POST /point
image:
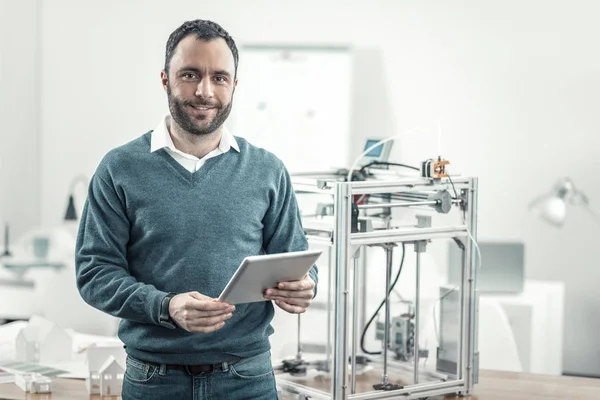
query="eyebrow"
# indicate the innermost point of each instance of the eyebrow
(196, 70)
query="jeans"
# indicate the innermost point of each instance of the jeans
(250, 378)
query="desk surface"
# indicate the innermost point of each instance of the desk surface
(493, 386)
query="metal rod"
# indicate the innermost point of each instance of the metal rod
(414, 195)
(405, 185)
(326, 184)
(329, 294)
(408, 395)
(299, 353)
(386, 333)
(342, 210)
(363, 296)
(411, 392)
(408, 197)
(355, 305)
(417, 318)
(407, 235)
(409, 203)
(461, 316)
(391, 205)
(471, 282)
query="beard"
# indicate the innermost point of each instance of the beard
(194, 125)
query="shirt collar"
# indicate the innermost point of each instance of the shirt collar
(161, 138)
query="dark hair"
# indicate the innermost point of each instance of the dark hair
(204, 30)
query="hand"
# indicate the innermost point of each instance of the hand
(293, 296)
(196, 312)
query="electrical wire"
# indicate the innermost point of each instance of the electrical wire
(368, 150)
(362, 338)
(453, 188)
(471, 238)
(362, 169)
(476, 247)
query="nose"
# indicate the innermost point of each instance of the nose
(205, 89)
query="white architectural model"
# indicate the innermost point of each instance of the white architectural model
(43, 342)
(33, 382)
(41, 384)
(23, 381)
(106, 367)
(111, 378)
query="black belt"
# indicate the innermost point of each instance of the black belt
(202, 368)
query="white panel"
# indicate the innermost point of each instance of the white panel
(296, 103)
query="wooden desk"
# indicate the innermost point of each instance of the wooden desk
(62, 389)
(492, 386)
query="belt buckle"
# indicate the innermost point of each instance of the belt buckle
(201, 369)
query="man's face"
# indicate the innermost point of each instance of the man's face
(200, 84)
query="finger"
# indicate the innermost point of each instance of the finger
(207, 329)
(210, 321)
(199, 296)
(304, 284)
(289, 307)
(203, 305)
(194, 314)
(215, 313)
(295, 302)
(276, 293)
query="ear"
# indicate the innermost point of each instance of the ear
(164, 79)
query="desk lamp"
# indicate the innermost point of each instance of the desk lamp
(71, 213)
(6, 252)
(552, 206)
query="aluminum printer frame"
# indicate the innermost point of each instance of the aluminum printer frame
(345, 245)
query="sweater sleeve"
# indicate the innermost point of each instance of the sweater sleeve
(101, 266)
(283, 231)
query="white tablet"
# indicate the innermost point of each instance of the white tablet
(259, 273)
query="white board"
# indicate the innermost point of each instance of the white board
(295, 102)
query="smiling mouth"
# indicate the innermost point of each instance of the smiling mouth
(202, 108)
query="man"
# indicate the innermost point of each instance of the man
(168, 219)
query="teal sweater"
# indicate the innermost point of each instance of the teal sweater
(150, 227)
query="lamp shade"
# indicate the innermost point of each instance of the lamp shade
(552, 207)
(553, 210)
(71, 214)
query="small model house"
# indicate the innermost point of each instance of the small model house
(23, 381)
(43, 342)
(33, 382)
(111, 378)
(106, 367)
(41, 384)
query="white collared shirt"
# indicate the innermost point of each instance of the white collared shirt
(161, 139)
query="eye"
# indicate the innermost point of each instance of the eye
(188, 76)
(220, 79)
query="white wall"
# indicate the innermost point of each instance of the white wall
(19, 113)
(514, 85)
